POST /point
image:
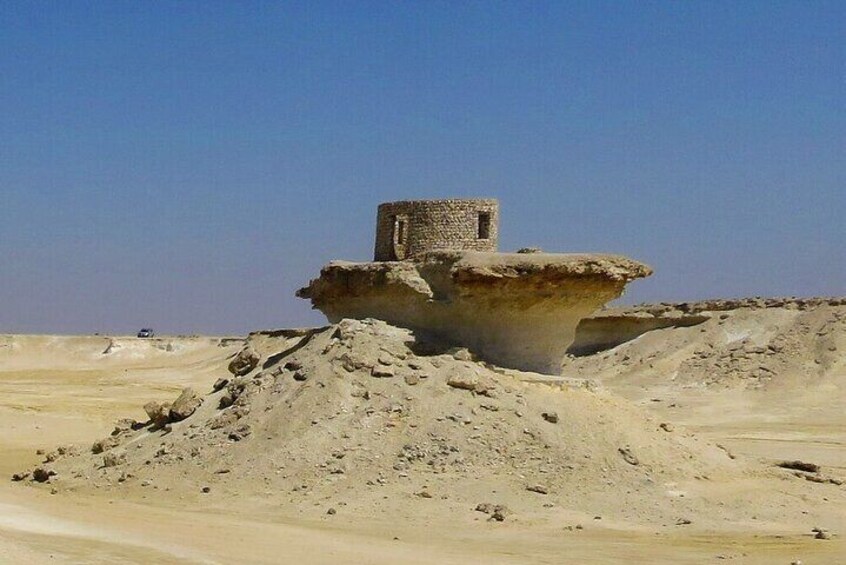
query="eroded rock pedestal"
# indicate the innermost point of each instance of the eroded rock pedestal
(514, 310)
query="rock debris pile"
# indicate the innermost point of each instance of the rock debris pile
(361, 416)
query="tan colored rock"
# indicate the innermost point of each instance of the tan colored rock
(515, 310)
(473, 382)
(158, 412)
(245, 361)
(185, 405)
(113, 459)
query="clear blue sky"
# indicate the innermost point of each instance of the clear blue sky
(188, 165)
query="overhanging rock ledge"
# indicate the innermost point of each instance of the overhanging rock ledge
(515, 310)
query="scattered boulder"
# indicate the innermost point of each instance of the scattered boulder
(42, 474)
(551, 417)
(530, 250)
(245, 361)
(158, 412)
(185, 405)
(20, 476)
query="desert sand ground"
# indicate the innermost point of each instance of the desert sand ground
(70, 390)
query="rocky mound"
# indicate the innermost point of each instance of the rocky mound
(748, 343)
(362, 418)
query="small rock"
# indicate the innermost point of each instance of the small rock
(360, 392)
(666, 426)
(412, 380)
(103, 445)
(424, 494)
(540, 489)
(206, 490)
(462, 354)
(300, 376)
(331, 511)
(628, 456)
(112, 459)
(472, 382)
(20, 476)
(293, 365)
(821, 533)
(499, 514)
(383, 371)
(159, 413)
(227, 400)
(219, 384)
(551, 417)
(683, 522)
(125, 425)
(42, 475)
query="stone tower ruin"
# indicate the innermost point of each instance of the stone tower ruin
(409, 228)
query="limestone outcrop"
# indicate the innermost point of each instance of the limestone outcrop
(514, 310)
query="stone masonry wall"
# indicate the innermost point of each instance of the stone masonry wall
(408, 228)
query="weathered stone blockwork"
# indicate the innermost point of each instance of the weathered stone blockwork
(407, 229)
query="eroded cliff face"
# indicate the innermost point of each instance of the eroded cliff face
(514, 310)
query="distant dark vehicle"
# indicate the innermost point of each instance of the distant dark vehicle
(146, 332)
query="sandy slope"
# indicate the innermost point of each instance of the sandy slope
(60, 390)
(767, 382)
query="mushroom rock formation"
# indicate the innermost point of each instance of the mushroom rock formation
(514, 310)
